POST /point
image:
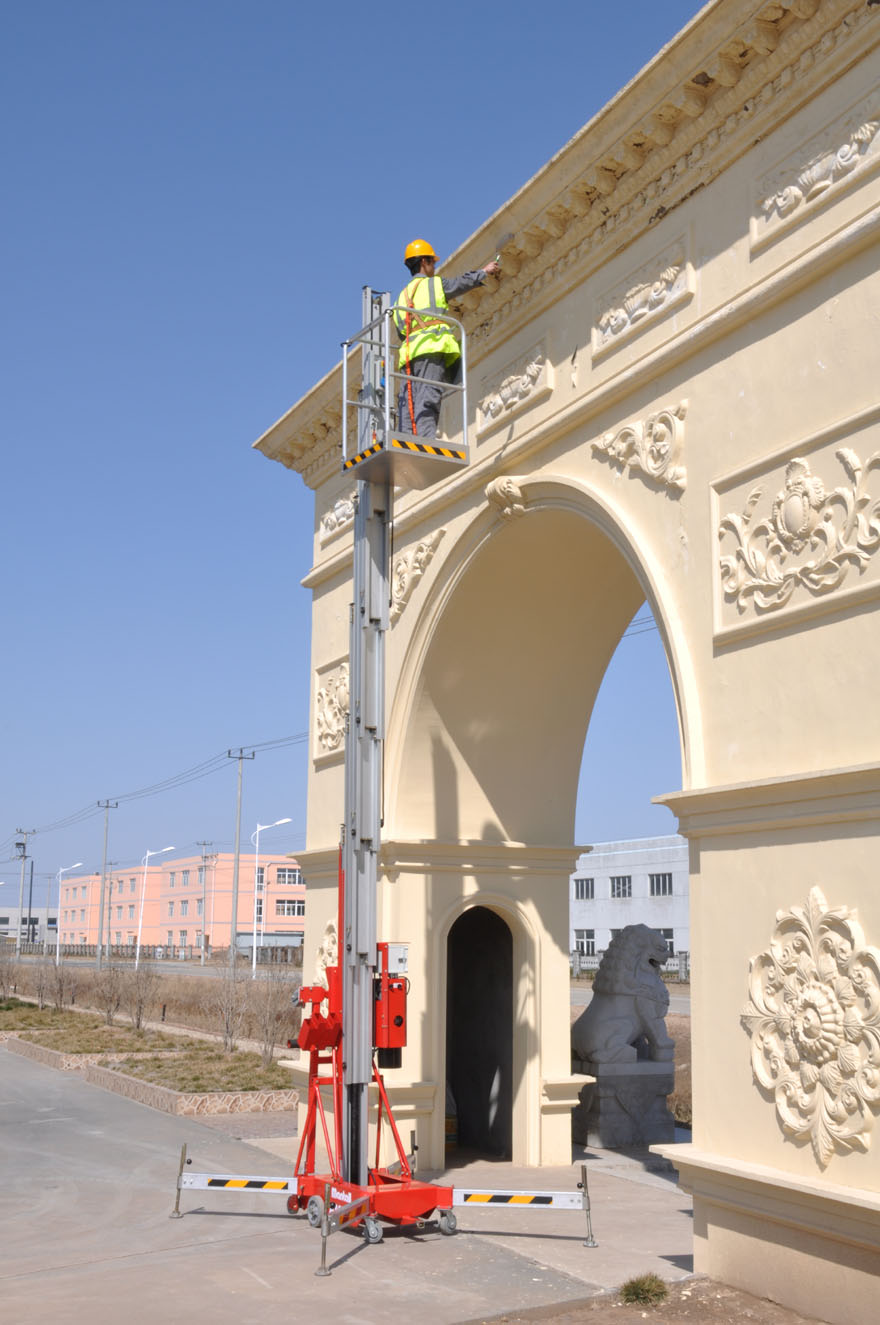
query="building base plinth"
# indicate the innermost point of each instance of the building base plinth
(812, 1245)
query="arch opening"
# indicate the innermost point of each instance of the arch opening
(479, 1033)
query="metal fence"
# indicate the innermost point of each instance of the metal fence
(678, 965)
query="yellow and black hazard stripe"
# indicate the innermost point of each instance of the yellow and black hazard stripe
(423, 448)
(506, 1198)
(252, 1184)
(362, 455)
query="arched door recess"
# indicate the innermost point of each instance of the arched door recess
(479, 1032)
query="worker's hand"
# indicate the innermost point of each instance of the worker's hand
(492, 268)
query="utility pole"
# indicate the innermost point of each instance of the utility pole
(204, 894)
(21, 848)
(106, 806)
(240, 755)
(30, 936)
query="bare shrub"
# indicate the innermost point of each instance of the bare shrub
(229, 998)
(270, 1010)
(140, 989)
(62, 984)
(39, 974)
(107, 988)
(8, 971)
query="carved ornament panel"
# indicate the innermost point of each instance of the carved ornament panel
(521, 383)
(332, 701)
(338, 517)
(803, 533)
(642, 298)
(652, 447)
(813, 1017)
(826, 165)
(407, 568)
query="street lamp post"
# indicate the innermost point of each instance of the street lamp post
(137, 951)
(255, 838)
(65, 870)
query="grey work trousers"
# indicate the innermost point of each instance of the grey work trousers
(429, 374)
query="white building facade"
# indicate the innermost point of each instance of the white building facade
(640, 882)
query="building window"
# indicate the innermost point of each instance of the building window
(131, 911)
(183, 938)
(259, 908)
(200, 910)
(199, 938)
(118, 937)
(184, 906)
(288, 876)
(585, 942)
(171, 878)
(132, 885)
(260, 874)
(583, 890)
(170, 910)
(184, 878)
(669, 936)
(169, 936)
(290, 906)
(201, 876)
(621, 885)
(661, 885)
(119, 913)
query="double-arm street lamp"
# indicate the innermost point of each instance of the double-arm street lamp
(65, 870)
(145, 861)
(255, 838)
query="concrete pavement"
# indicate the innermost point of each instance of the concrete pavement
(89, 1183)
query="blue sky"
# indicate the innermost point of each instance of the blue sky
(195, 193)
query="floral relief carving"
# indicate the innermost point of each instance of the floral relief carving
(821, 171)
(522, 383)
(407, 569)
(652, 447)
(814, 1020)
(810, 539)
(340, 514)
(506, 494)
(646, 296)
(331, 710)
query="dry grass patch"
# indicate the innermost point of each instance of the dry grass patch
(16, 1016)
(103, 1039)
(209, 1069)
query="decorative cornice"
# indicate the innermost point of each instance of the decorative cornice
(680, 136)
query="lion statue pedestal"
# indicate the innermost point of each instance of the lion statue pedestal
(621, 1040)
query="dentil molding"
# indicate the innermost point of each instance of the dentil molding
(813, 1017)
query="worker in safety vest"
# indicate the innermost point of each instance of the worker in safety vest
(429, 354)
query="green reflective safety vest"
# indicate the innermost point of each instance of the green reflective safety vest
(420, 333)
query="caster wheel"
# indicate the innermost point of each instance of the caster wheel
(372, 1229)
(315, 1211)
(448, 1223)
(293, 1205)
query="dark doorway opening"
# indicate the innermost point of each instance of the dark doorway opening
(479, 1034)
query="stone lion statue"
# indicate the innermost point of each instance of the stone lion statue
(625, 1019)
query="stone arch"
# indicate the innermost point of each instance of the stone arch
(561, 580)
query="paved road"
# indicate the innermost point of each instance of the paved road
(89, 1183)
(679, 1003)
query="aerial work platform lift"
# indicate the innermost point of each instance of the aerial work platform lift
(356, 1025)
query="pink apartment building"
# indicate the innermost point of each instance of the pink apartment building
(188, 902)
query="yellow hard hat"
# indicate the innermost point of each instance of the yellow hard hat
(419, 248)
